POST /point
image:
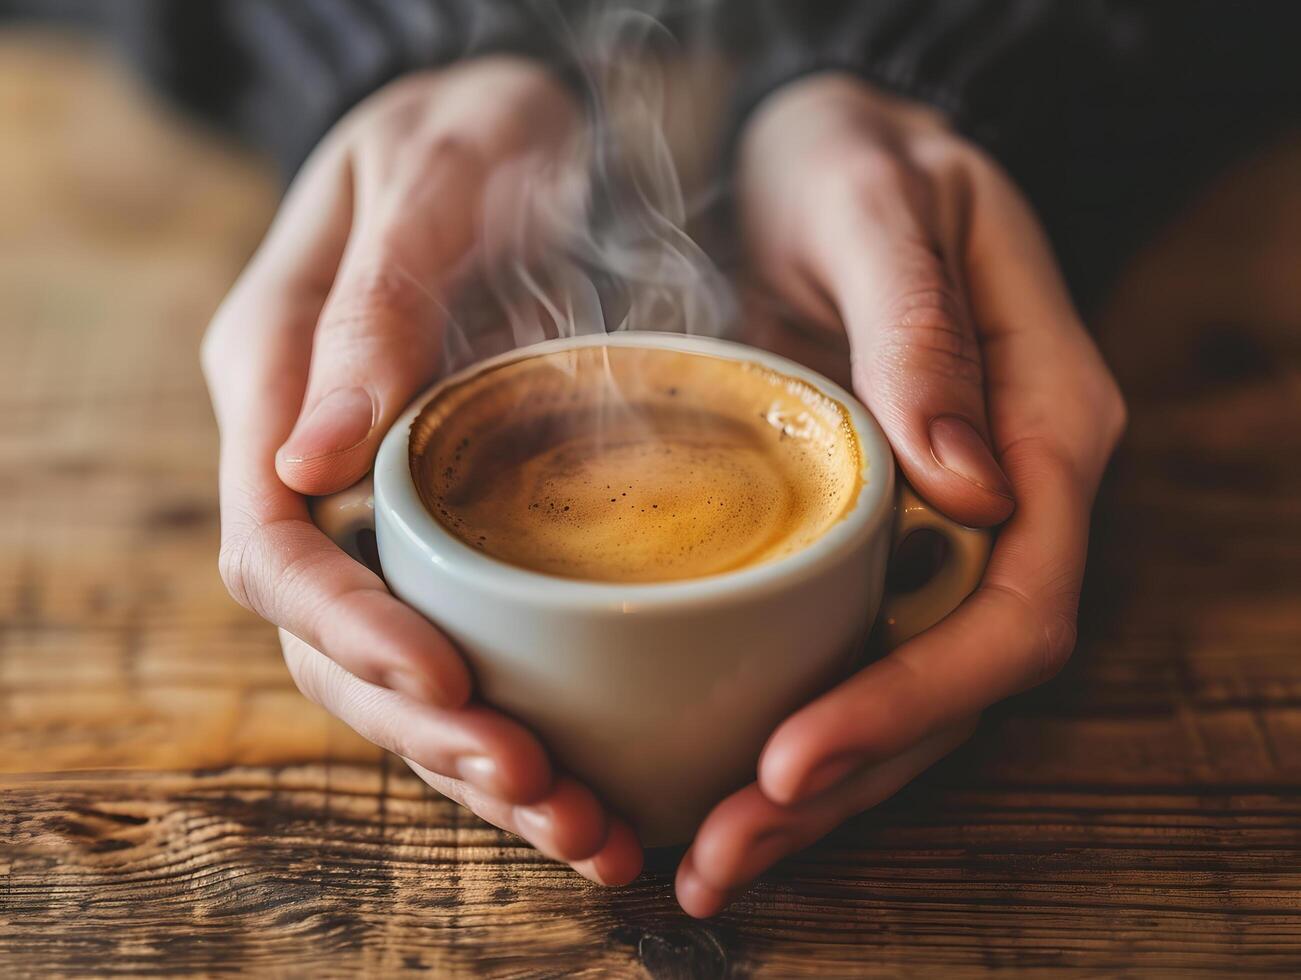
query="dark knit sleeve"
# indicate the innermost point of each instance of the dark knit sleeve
(1104, 111)
(994, 66)
(279, 73)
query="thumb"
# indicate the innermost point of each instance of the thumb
(916, 357)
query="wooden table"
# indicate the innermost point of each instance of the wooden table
(170, 804)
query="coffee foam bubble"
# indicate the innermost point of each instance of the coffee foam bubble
(625, 464)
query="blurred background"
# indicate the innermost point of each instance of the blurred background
(121, 226)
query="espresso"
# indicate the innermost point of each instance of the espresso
(635, 464)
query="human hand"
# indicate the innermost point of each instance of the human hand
(333, 327)
(867, 213)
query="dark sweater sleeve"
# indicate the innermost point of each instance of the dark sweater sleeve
(1106, 112)
(279, 73)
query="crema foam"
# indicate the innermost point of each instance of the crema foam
(635, 464)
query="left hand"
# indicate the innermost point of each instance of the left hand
(332, 329)
(868, 212)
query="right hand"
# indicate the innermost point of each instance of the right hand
(331, 330)
(871, 217)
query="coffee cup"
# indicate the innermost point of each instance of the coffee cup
(660, 694)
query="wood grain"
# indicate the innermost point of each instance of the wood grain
(348, 869)
(170, 805)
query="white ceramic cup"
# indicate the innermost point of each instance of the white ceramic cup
(660, 696)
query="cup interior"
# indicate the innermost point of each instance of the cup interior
(399, 505)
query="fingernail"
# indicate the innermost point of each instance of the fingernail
(959, 448)
(825, 776)
(340, 420)
(478, 770)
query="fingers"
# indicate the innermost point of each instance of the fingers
(421, 159)
(380, 332)
(1015, 631)
(878, 239)
(567, 825)
(271, 312)
(921, 245)
(273, 559)
(485, 749)
(747, 833)
(916, 359)
(917, 241)
(482, 760)
(618, 862)
(276, 562)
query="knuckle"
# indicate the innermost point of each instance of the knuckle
(1060, 635)
(1043, 462)
(230, 566)
(438, 171)
(440, 151)
(255, 565)
(209, 354)
(1048, 618)
(926, 332)
(876, 171)
(216, 346)
(1055, 608)
(394, 109)
(1115, 413)
(371, 304)
(864, 183)
(433, 167)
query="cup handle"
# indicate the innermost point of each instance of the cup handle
(348, 519)
(904, 615)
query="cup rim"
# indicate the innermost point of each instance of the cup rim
(396, 498)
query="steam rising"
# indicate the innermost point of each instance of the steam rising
(594, 239)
